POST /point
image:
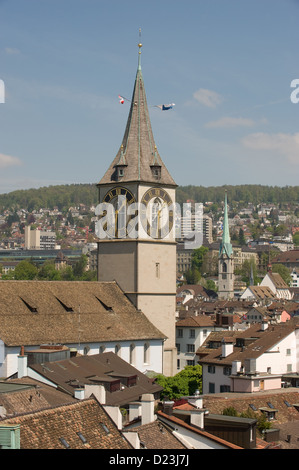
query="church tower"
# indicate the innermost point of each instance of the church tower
(225, 261)
(140, 254)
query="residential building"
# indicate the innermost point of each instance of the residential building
(113, 381)
(38, 239)
(256, 359)
(192, 222)
(295, 278)
(290, 259)
(261, 294)
(190, 334)
(81, 425)
(277, 285)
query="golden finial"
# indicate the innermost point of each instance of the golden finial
(140, 45)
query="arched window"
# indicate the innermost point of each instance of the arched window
(132, 353)
(117, 349)
(102, 349)
(86, 350)
(146, 349)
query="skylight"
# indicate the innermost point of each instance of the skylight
(64, 443)
(82, 437)
(105, 428)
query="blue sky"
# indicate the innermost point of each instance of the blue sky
(227, 65)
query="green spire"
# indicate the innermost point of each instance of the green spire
(225, 245)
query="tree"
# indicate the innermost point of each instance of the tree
(198, 256)
(241, 239)
(283, 271)
(25, 271)
(48, 272)
(193, 276)
(247, 269)
(296, 238)
(182, 384)
(80, 266)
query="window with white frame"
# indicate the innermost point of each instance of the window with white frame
(146, 349)
(190, 348)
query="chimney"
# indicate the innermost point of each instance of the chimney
(22, 364)
(264, 325)
(134, 410)
(236, 367)
(227, 347)
(79, 393)
(147, 408)
(97, 390)
(196, 400)
(168, 407)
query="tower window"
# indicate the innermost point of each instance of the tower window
(158, 270)
(132, 353)
(156, 172)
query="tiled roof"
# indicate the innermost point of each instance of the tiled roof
(262, 292)
(258, 342)
(196, 321)
(24, 395)
(278, 281)
(156, 435)
(98, 369)
(47, 428)
(241, 402)
(204, 434)
(291, 256)
(38, 312)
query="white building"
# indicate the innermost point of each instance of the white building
(258, 358)
(190, 335)
(277, 285)
(38, 239)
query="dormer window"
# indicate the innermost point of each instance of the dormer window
(156, 171)
(121, 165)
(155, 166)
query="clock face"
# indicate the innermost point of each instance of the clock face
(157, 213)
(120, 198)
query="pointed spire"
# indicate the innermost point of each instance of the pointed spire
(138, 148)
(225, 245)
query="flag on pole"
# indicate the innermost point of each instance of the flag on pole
(165, 107)
(121, 99)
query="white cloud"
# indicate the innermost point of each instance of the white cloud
(208, 98)
(286, 145)
(11, 50)
(7, 161)
(230, 122)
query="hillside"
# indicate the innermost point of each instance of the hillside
(64, 196)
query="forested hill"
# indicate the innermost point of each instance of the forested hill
(65, 196)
